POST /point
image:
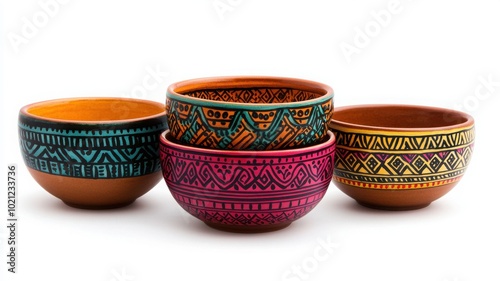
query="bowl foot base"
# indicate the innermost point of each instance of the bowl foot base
(248, 229)
(392, 208)
(98, 207)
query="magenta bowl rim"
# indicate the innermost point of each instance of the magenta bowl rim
(277, 152)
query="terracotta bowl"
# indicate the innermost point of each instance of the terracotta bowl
(247, 191)
(400, 157)
(93, 152)
(249, 113)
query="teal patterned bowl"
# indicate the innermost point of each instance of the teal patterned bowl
(93, 152)
(249, 113)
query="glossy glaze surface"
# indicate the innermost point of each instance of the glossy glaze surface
(249, 113)
(400, 157)
(91, 151)
(247, 191)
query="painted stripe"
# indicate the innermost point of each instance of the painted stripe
(396, 186)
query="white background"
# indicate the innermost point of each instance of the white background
(427, 52)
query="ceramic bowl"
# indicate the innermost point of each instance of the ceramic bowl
(400, 157)
(247, 191)
(93, 152)
(249, 113)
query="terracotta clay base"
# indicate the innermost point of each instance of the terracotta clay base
(248, 229)
(100, 207)
(395, 200)
(392, 208)
(96, 193)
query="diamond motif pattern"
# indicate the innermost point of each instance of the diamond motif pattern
(224, 128)
(389, 163)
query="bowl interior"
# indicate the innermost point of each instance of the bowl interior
(94, 109)
(254, 95)
(396, 116)
(251, 89)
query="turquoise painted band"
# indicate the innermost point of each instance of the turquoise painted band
(97, 151)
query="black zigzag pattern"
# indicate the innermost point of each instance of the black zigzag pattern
(111, 152)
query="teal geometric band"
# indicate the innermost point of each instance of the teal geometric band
(95, 151)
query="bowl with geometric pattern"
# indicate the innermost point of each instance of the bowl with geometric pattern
(247, 191)
(249, 112)
(400, 157)
(93, 153)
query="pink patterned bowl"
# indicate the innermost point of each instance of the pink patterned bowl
(247, 191)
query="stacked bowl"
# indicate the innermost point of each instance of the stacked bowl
(248, 154)
(244, 154)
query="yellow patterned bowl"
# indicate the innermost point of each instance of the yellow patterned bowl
(400, 157)
(249, 113)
